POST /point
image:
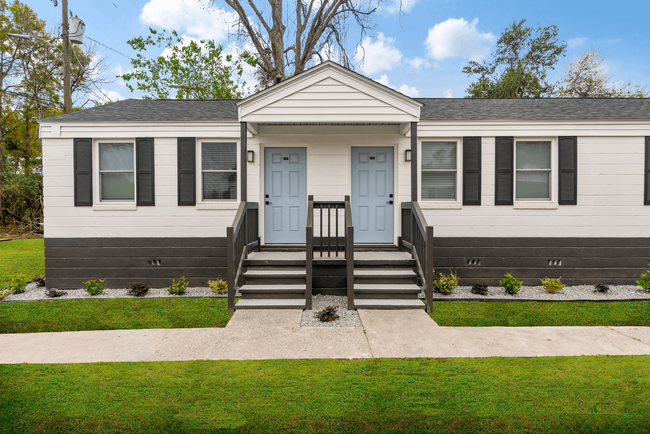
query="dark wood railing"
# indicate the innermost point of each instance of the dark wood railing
(349, 252)
(309, 253)
(242, 237)
(328, 241)
(417, 237)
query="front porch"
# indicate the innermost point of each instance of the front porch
(371, 276)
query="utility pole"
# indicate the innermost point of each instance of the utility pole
(67, 98)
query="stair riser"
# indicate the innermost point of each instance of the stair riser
(394, 296)
(385, 280)
(274, 296)
(272, 280)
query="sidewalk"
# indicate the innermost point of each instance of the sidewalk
(276, 334)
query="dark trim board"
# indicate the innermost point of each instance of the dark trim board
(120, 261)
(583, 260)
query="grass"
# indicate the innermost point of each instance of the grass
(112, 314)
(602, 394)
(21, 258)
(529, 314)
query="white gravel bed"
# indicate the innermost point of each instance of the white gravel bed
(576, 292)
(348, 318)
(33, 292)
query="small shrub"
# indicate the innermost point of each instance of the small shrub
(139, 289)
(54, 293)
(328, 314)
(39, 280)
(4, 293)
(645, 281)
(178, 288)
(480, 288)
(16, 285)
(601, 287)
(95, 288)
(511, 284)
(218, 286)
(445, 284)
(552, 286)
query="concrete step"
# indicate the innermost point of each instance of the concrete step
(270, 304)
(275, 275)
(275, 271)
(393, 304)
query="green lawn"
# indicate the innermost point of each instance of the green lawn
(542, 395)
(112, 314)
(21, 258)
(528, 314)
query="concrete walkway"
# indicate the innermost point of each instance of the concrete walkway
(276, 334)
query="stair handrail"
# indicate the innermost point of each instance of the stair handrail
(309, 252)
(420, 243)
(349, 252)
(237, 250)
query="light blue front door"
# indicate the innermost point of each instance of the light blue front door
(372, 194)
(285, 195)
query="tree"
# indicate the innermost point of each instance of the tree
(286, 43)
(191, 69)
(588, 78)
(520, 66)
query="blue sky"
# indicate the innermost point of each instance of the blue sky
(420, 53)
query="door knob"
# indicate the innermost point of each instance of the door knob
(267, 202)
(390, 202)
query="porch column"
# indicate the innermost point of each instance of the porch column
(243, 172)
(414, 161)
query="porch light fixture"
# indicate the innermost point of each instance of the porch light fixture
(251, 156)
(407, 155)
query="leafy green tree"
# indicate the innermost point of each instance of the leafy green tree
(187, 69)
(520, 65)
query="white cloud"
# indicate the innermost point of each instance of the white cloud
(407, 90)
(448, 93)
(191, 15)
(394, 6)
(377, 55)
(574, 42)
(458, 38)
(418, 62)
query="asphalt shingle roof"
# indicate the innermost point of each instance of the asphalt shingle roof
(137, 110)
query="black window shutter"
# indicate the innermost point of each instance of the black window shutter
(503, 183)
(647, 172)
(83, 172)
(186, 171)
(568, 168)
(144, 161)
(471, 170)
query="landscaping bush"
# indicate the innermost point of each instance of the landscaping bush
(328, 314)
(552, 286)
(510, 284)
(54, 293)
(39, 280)
(139, 289)
(645, 281)
(218, 286)
(445, 284)
(178, 288)
(601, 287)
(95, 288)
(480, 288)
(4, 293)
(16, 285)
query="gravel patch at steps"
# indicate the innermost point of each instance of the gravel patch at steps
(33, 293)
(347, 318)
(568, 293)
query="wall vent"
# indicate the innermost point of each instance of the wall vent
(154, 262)
(473, 262)
(554, 262)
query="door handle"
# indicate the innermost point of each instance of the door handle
(390, 202)
(267, 202)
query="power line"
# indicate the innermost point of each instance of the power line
(97, 42)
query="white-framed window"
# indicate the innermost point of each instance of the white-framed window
(116, 171)
(439, 170)
(534, 170)
(218, 171)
